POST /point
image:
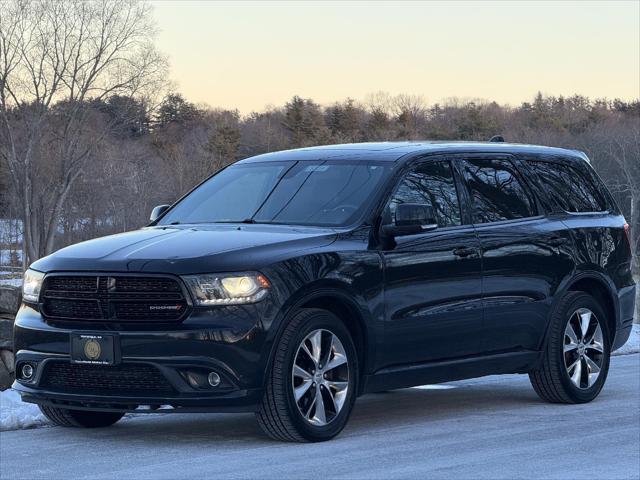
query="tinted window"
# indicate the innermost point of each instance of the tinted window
(569, 188)
(432, 184)
(496, 192)
(300, 193)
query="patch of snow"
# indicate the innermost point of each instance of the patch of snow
(10, 276)
(434, 387)
(12, 282)
(16, 414)
(633, 344)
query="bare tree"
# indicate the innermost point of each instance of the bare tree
(615, 146)
(55, 58)
(410, 113)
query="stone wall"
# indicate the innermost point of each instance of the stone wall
(9, 303)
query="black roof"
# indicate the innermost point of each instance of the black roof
(394, 151)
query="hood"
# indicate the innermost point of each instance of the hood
(184, 249)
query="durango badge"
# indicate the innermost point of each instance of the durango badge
(173, 308)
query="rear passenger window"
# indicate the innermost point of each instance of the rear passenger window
(496, 192)
(572, 190)
(432, 184)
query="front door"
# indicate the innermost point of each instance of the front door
(432, 279)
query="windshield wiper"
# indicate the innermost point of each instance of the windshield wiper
(246, 220)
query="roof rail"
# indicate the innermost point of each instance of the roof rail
(497, 138)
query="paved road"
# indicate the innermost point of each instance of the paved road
(486, 428)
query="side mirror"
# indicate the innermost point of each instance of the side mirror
(157, 212)
(412, 218)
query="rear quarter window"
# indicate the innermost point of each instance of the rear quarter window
(569, 188)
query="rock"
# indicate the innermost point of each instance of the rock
(6, 379)
(8, 359)
(9, 303)
(10, 298)
(6, 332)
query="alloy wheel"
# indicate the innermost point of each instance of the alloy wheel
(583, 349)
(320, 377)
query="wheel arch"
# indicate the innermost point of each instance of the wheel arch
(339, 299)
(598, 286)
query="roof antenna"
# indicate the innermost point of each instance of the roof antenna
(497, 138)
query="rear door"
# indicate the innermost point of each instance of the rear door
(524, 252)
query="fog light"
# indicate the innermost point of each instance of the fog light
(214, 379)
(27, 371)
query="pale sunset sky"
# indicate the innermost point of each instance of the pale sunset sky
(248, 55)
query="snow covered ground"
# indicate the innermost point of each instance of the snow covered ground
(10, 276)
(486, 428)
(12, 282)
(633, 344)
(15, 414)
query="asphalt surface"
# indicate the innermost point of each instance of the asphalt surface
(494, 427)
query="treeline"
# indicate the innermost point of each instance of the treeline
(152, 156)
(89, 142)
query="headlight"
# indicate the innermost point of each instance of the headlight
(227, 289)
(31, 284)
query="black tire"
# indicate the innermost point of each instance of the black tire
(551, 380)
(278, 414)
(65, 417)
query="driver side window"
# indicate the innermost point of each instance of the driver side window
(431, 184)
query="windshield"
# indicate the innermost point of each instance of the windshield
(319, 193)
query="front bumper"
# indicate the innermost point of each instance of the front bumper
(208, 341)
(239, 401)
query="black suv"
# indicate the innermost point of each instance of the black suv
(290, 283)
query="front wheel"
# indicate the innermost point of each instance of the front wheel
(312, 384)
(576, 361)
(65, 417)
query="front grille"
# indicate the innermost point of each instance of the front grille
(84, 309)
(113, 298)
(79, 284)
(142, 284)
(123, 379)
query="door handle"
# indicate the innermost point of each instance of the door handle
(557, 241)
(464, 251)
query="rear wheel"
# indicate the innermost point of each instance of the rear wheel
(311, 387)
(65, 417)
(576, 361)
